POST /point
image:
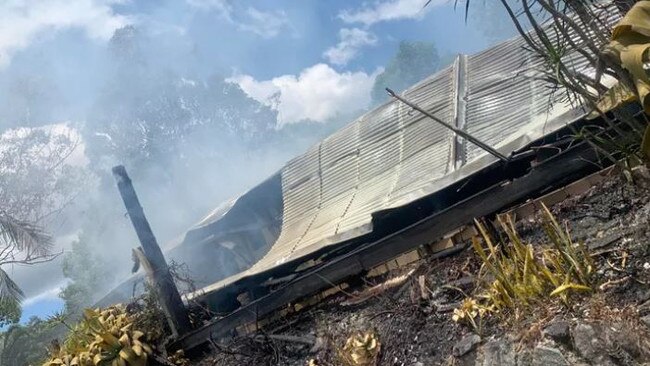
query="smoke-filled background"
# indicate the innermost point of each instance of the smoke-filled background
(199, 99)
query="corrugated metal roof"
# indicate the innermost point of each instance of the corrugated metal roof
(392, 155)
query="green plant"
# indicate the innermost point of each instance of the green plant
(515, 275)
(560, 34)
(104, 337)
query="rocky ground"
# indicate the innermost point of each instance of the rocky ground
(412, 318)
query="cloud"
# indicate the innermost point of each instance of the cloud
(21, 22)
(220, 5)
(48, 294)
(319, 93)
(266, 24)
(350, 40)
(389, 10)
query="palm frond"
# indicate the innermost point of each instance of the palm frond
(9, 290)
(24, 236)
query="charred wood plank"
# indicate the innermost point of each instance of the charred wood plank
(154, 261)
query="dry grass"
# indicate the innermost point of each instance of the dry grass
(515, 275)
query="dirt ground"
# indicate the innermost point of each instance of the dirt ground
(606, 327)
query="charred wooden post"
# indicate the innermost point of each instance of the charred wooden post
(158, 270)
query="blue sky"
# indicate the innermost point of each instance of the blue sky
(63, 43)
(318, 57)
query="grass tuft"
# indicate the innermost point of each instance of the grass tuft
(515, 275)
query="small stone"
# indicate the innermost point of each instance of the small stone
(524, 358)
(589, 346)
(585, 340)
(642, 296)
(445, 308)
(498, 352)
(646, 320)
(558, 331)
(318, 345)
(548, 356)
(465, 345)
(646, 266)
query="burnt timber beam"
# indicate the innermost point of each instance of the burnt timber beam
(562, 168)
(155, 263)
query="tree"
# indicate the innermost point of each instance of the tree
(10, 313)
(166, 127)
(35, 184)
(88, 274)
(21, 243)
(413, 62)
(27, 344)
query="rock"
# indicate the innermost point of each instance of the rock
(558, 331)
(548, 356)
(445, 308)
(319, 345)
(524, 358)
(598, 243)
(498, 352)
(646, 320)
(644, 308)
(589, 345)
(465, 345)
(642, 296)
(463, 283)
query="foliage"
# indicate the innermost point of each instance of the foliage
(177, 134)
(27, 344)
(628, 47)
(150, 316)
(160, 113)
(10, 312)
(102, 337)
(20, 243)
(87, 273)
(413, 62)
(37, 180)
(558, 33)
(518, 276)
(35, 184)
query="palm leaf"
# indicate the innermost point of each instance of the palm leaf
(9, 290)
(24, 235)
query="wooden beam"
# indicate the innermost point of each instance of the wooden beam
(158, 270)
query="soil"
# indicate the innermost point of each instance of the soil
(414, 325)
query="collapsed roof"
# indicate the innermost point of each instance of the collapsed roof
(393, 156)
